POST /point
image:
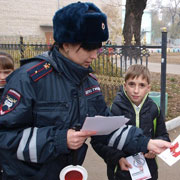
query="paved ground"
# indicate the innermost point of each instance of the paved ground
(97, 170)
(156, 67)
(170, 68)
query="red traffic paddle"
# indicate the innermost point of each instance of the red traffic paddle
(73, 173)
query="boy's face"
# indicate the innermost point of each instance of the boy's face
(3, 74)
(136, 89)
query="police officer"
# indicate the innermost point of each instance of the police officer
(50, 95)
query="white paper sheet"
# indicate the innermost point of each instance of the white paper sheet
(139, 170)
(172, 155)
(104, 125)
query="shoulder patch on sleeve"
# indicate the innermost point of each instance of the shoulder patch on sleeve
(93, 76)
(9, 101)
(40, 70)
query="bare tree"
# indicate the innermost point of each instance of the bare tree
(114, 21)
(173, 9)
(133, 19)
(113, 10)
(170, 18)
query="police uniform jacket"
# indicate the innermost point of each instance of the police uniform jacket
(43, 99)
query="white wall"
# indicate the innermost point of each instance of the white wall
(24, 17)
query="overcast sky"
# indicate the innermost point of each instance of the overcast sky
(150, 2)
(97, 2)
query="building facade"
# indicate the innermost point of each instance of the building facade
(32, 18)
(27, 18)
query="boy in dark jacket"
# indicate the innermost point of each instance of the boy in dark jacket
(133, 102)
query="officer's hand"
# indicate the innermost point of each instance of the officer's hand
(150, 155)
(124, 165)
(157, 146)
(75, 139)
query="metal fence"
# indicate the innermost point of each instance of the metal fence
(110, 66)
(114, 61)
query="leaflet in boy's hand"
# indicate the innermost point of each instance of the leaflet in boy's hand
(139, 170)
(104, 125)
(172, 155)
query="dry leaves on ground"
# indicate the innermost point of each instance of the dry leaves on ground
(173, 90)
(172, 84)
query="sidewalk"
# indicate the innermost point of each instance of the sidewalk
(170, 68)
(97, 170)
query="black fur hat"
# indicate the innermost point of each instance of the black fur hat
(80, 22)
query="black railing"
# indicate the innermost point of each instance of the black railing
(112, 60)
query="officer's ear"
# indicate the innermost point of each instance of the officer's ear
(66, 47)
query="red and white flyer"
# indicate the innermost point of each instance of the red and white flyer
(172, 155)
(139, 170)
